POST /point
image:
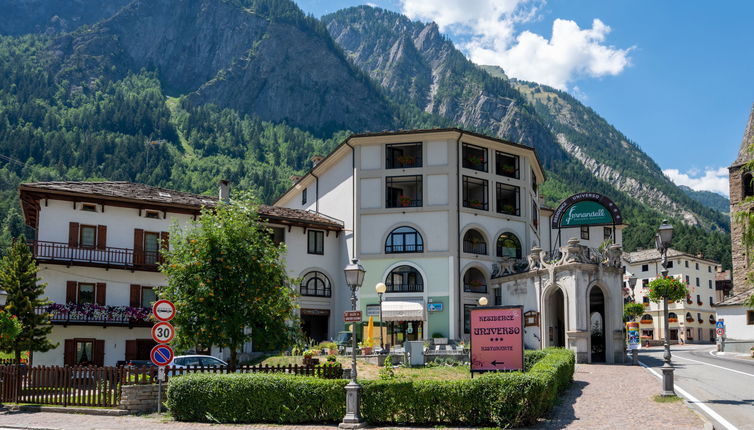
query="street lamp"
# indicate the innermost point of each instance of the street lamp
(381, 288)
(663, 238)
(354, 277)
(483, 301)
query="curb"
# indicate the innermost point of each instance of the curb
(70, 410)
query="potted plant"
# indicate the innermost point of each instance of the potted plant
(406, 160)
(308, 358)
(672, 320)
(476, 204)
(366, 346)
(507, 169)
(474, 161)
(404, 201)
(509, 209)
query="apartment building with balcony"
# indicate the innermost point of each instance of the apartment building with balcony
(98, 245)
(691, 320)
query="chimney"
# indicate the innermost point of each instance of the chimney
(316, 160)
(224, 190)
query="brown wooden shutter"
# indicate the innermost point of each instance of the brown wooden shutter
(135, 295)
(70, 291)
(100, 293)
(98, 352)
(138, 246)
(132, 350)
(69, 353)
(101, 236)
(73, 234)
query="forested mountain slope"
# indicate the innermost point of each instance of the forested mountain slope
(53, 16)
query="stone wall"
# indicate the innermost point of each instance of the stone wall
(738, 251)
(141, 398)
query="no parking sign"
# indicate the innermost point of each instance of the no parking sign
(161, 355)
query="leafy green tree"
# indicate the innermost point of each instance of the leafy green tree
(225, 274)
(667, 287)
(18, 277)
(632, 310)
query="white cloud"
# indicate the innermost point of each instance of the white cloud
(493, 38)
(711, 180)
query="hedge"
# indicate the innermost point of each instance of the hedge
(491, 399)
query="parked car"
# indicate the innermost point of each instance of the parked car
(136, 363)
(182, 361)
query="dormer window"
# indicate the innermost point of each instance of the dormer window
(89, 207)
(152, 215)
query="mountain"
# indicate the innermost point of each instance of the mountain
(53, 16)
(709, 199)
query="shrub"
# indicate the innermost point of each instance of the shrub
(330, 369)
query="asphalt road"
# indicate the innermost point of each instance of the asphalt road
(722, 387)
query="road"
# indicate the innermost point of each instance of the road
(723, 387)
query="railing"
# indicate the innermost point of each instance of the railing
(469, 287)
(108, 256)
(395, 249)
(315, 292)
(475, 248)
(405, 288)
(93, 314)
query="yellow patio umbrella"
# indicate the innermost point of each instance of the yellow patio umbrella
(370, 330)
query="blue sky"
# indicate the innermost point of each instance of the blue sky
(675, 77)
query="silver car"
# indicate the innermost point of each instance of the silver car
(182, 361)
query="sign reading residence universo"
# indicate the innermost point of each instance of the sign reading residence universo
(586, 209)
(497, 338)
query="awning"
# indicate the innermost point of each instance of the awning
(402, 311)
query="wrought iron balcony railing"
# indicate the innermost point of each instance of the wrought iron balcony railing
(59, 252)
(94, 314)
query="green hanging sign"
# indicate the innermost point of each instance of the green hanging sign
(586, 209)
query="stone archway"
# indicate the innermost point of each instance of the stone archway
(554, 333)
(597, 325)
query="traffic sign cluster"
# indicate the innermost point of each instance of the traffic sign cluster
(162, 333)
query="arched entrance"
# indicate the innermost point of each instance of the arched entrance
(597, 324)
(555, 308)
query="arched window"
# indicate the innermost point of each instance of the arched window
(646, 319)
(474, 243)
(474, 282)
(404, 279)
(746, 182)
(672, 317)
(404, 239)
(508, 245)
(689, 317)
(315, 284)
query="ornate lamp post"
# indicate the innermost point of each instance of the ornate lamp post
(663, 238)
(354, 277)
(381, 288)
(483, 301)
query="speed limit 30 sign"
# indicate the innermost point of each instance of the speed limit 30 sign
(163, 332)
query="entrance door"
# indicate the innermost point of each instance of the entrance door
(315, 326)
(597, 324)
(555, 330)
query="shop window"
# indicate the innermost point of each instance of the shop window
(474, 282)
(507, 165)
(474, 157)
(475, 193)
(403, 191)
(315, 284)
(508, 199)
(403, 155)
(508, 245)
(584, 232)
(316, 242)
(404, 279)
(474, 243)
(404, 239)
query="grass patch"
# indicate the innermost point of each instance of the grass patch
(666, 399)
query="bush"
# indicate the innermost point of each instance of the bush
(491, 399)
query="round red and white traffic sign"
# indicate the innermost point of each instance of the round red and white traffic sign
(161, 355)
(721, 332)
(163, 310)
(163, 332)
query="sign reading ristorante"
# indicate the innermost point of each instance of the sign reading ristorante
(497, 338)
(586, 209)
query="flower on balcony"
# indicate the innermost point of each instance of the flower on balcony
(406, 160)
(474, 160)
(476, 204)
(93, 311)
(508, 169)
(404, 200)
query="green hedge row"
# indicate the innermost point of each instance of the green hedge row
(491, 399)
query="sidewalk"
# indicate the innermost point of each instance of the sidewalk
(601, 397)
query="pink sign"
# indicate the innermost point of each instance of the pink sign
(497, 338)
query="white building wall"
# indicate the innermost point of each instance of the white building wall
(115, 342)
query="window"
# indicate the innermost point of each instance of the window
(151, 247)
(474, 243)
(711, 303)
(508, 245)
(709, 283)
(747, 184)
(474, 282)
(152, 214)
(84, 353)
(85, 293)
(303, 196)
(645, 267)
(697, 281)
(404, 239)
(475, 193)
(507, 165)
(277, 234)
(646, 318)
(645, 301)
(533, 182)
(316, 284)
(474, 157)
(534, 215)
(697, 266)
(585, 232)
(709, 269)
(467, 317)
(749, 317)
(404, 279)
(508, 199)
(403, 155)
(687, 280)
(686, 263)
(672, 317)
(148, 297)
(403, 191)
(87, 236)
(645, 283)
(498, 296)
(316, 242)
(670, 264)
(89, 207)
(607, 233)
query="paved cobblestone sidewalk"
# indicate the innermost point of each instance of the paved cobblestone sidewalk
(602, 397)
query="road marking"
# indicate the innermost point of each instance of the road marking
(725, 423)
(713, 365)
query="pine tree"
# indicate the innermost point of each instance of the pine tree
(18, 277)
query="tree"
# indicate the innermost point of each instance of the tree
(225, 275)
(632, 310)
(18, 277)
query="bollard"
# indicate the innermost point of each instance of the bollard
(634, 357)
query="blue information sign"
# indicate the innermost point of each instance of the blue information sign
(434, 307)
(720, 324)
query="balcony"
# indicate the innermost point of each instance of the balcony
(411, 287)
(108, 257)
(96, 315)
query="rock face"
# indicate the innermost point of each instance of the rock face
(282, 68)
(53, 16)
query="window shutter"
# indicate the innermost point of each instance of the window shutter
(73, 234)
(132, 350)
(99, 352)
(135, 295)
(101, 236)
(100, 293)
(138, 246)
(165, 239)
(70, 291)
(69, 353)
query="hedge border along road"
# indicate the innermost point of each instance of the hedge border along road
(492, 399)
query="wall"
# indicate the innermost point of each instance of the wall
(114, 337)
(142, 398)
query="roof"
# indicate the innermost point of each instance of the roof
(124, 193)
(744, 155)
(653, 254)
(736, 300)
(723, 276)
